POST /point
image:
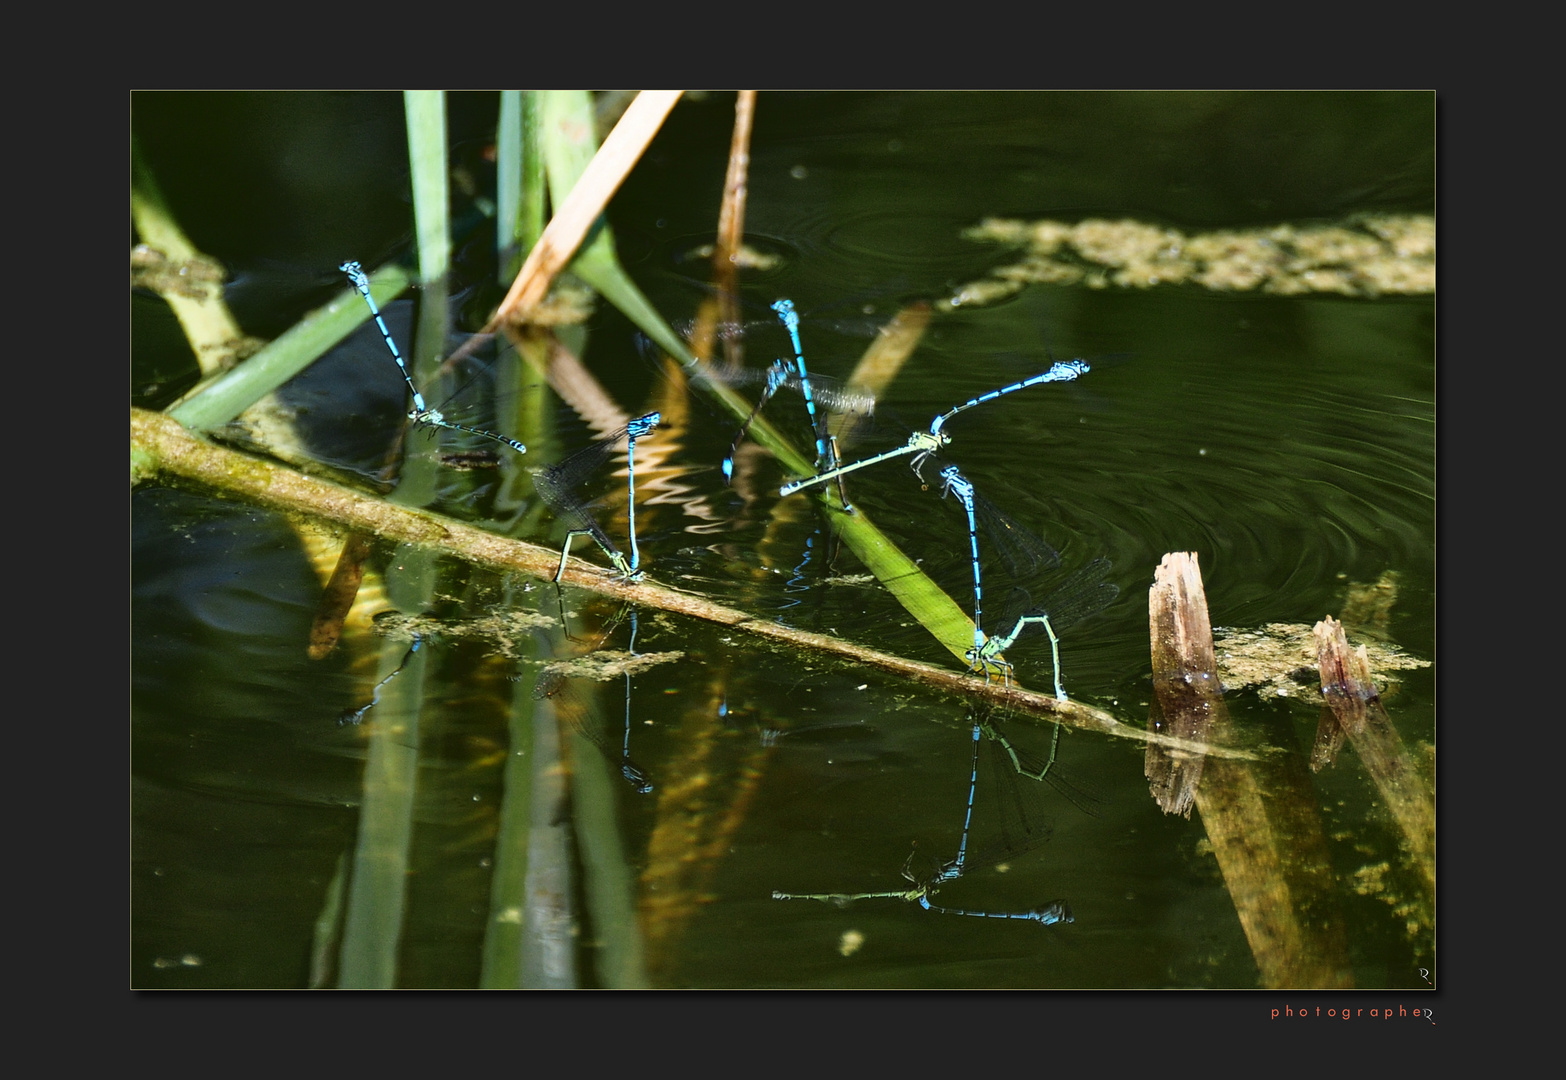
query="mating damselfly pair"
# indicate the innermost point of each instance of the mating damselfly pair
(1080, 595)
(554, 484)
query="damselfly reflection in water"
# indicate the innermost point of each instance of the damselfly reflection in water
(511, 633)
(354, 716)
(1021, 829)
(601, 665)
(504, 632)
(1072, 787)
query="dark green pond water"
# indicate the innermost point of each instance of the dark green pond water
(1287, 439)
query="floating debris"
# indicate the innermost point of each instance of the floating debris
(1279, 660)
(605, 665)
(510, 633)
(746, 258)
(1372, 255)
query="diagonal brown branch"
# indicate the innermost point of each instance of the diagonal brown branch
(160, 446)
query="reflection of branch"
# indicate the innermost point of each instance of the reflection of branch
(1356, 706)
(1260, 818)
(161, 447)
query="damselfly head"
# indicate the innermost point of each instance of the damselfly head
(1056, 911)
(635, 777)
